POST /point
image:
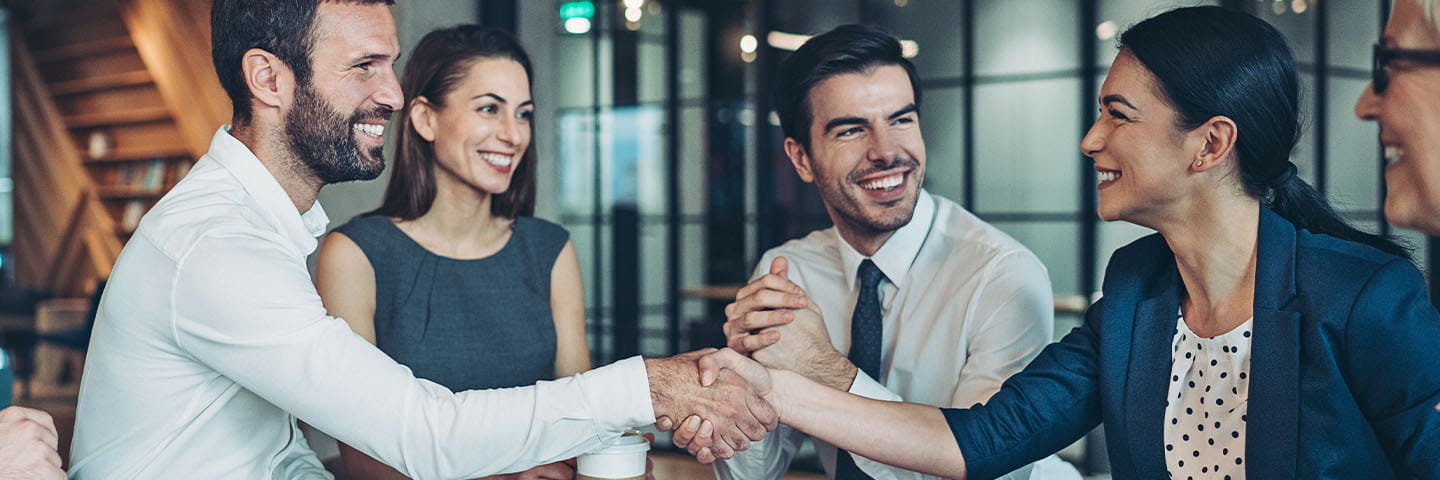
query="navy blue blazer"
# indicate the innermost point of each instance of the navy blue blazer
(1345, 368)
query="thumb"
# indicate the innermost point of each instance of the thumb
(780, 266)
(709, 367)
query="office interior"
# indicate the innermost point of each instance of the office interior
(657, 147)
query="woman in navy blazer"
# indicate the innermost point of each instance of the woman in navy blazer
(1199, 115)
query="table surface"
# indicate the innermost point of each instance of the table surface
(677, 466)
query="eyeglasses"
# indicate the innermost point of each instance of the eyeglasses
(1380, 68)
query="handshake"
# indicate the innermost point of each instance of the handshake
(719, 401)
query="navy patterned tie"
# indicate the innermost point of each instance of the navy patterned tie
(865, 336)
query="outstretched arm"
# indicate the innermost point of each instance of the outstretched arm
(907, 435)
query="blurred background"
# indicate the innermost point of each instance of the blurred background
(657, 146)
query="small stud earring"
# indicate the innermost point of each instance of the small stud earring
(1199, 163)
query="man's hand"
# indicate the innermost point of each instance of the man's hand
(692, 434)
(27, 445)
(766, 303)
(737, 414)
(774, 322)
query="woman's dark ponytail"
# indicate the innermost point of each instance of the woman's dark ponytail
(1210, 61)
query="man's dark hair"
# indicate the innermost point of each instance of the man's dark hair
(846, 49)
(285, 28)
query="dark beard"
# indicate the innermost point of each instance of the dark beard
(323, 140)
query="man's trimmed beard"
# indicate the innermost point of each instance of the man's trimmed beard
(324, 139)
(845, 202)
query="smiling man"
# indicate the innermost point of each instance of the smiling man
(933, 305)
(211, 342)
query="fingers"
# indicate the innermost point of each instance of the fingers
(664, 424)
(704, 456)
(733, 437)
(53, 457)
(765, 414)
(32, 429)
(763, 319)
(751, 343)
(722, 446)
(687, 432)
(766, 298)
(15, 414)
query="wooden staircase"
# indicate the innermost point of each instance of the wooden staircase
(115, 99)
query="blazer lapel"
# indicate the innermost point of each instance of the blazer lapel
(1147, 383)
(1272, 432)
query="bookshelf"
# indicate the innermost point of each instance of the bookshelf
(129, 181)
(112, 103)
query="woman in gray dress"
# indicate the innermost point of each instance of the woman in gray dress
(451, 276)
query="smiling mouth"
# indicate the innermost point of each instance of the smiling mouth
(373, 130)
(885, 183)
(1394, 154)
(1107, 176)
(497, 159)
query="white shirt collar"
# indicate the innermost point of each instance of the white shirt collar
(899, 251)
(300, 229)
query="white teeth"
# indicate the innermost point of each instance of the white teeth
(1394, 154)
(885, 183)
(1108, 176)
(496, 159)
(368, 129)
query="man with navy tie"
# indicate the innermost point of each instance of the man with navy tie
(922, 301)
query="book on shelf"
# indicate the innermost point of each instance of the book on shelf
(140, 177)
(130, 217)
(154, 175)
(182, 167)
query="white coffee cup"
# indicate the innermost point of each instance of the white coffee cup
(622, 460)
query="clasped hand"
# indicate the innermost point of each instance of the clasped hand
(771, 325)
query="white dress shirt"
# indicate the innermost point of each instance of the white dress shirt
(211, 341)
(964, 307)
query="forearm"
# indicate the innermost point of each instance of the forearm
(907, 435)
(837, 373)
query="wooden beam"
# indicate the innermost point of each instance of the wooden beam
(85, 49)
(70, 242)
(176, 50)
(102, 82)
(101, 119)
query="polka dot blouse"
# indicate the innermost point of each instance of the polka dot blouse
(1205, 409)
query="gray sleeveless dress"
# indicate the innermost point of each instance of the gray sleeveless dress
(465, 324)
